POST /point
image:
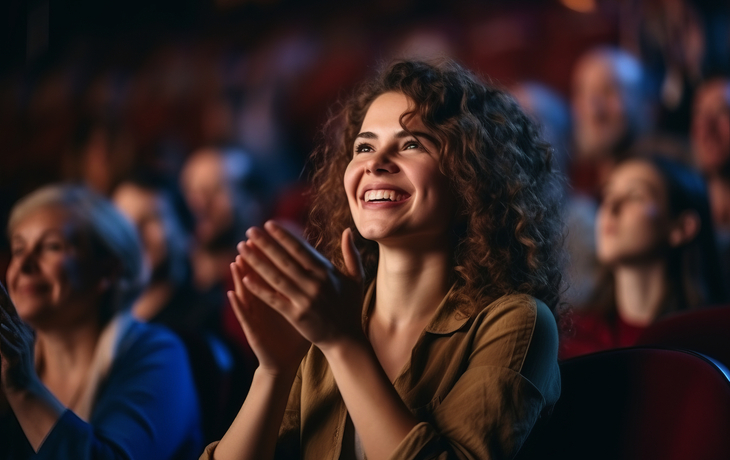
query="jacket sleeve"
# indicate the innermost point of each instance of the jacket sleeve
(147, 409)
(511, 375)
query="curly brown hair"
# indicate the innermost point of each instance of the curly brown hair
(509, 239)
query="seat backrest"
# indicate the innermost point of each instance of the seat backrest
(637, 403)
(706, 331)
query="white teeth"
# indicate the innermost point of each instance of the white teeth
(382, 195)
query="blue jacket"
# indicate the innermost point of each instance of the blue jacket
(146, 410)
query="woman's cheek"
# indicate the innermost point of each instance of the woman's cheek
(350, 183)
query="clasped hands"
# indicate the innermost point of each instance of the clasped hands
(287, 295)
(17, 340)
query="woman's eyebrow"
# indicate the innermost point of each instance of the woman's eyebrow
(399, 135)
(643, 184)
(427, 136)
(367, 135)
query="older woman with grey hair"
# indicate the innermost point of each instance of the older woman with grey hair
(80, 378)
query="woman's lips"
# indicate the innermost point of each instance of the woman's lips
(33, 288)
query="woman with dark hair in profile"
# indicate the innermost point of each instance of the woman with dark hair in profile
(424, 308)
(88, 381)
(656, 242)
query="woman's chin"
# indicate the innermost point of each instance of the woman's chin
(376, 232)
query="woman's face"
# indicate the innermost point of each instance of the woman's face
(633, 219)
(51, 278)
(711, 126)
(394, 186)
(146, 210)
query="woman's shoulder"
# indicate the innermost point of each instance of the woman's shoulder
(522, 317)
(516, 307)
(144, 338)
(519, 332)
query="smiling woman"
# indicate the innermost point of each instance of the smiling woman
(87, 381)
(419, 325)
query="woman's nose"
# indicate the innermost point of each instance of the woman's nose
(381, 163)
(28, 261)
(613, 206)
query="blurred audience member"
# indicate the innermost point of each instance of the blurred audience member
(152, 205)
(102, 153)
(610, 110)
(156, 208)
(551, 112)
(88, 381)
(225, 194)
(656, 242)
(711, 145)
(224, 190)
(671, 39)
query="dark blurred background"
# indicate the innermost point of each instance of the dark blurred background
(94, 90)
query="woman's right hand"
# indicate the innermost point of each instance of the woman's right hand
(17, 372)
(277, 344)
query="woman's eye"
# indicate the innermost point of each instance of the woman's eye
(363, 148)
(17, 251)
(637, 196)
(411, 145)
(53, 246)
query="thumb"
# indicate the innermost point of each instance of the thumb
(353, 263)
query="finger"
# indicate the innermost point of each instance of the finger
(6, 329)
(237, 306)
(243, 271)
(6, 305)
(353, 262)
(239, 260)
(280, 257)
(267, 295)
(238, 289)
(271, 274)
(301, 251)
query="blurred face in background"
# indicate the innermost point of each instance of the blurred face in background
(147, 212)
(52, 277)
(600, 104)
(711, 126)
(207, 191)
(633, 219)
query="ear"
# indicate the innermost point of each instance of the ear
(684, 228)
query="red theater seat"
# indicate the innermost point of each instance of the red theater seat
(706, 331)
(637, 403)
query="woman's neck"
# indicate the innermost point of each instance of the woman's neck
(410, 284)
(65, 356)
(640, 292)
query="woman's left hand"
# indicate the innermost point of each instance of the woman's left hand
(321, 302)
(17, 371)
